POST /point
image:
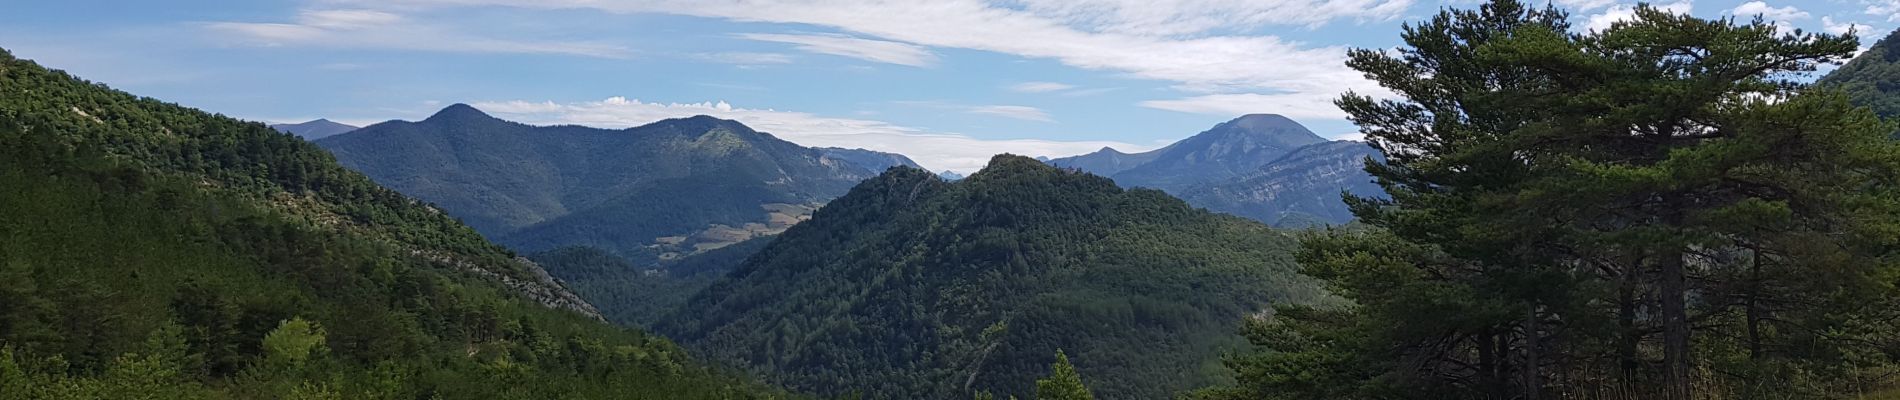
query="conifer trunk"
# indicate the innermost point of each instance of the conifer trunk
(1675, 318)
(1628, 364)
(1532, 382)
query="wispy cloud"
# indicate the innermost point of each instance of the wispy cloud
(1585, 5)
(1040, 87)
(859, 48)
(745, 58)
(373, 29)
(1290, 104)
(1190, 43)
(1889, 9)
(1026, 113)
(935, 150)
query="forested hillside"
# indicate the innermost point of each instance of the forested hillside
(913, 287)
(1872, 79)
(633, 295)
(156, 251)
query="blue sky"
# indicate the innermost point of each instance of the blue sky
(947, 82)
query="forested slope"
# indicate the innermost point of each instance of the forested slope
(152, 249)
(913, 287)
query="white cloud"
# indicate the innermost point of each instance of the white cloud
(859, 48)
(356, 28)
(1771, 13)
(1829, 25)
(1290, 105)
(1889, 9)
(1040, 87)
(934, 150)
(745, 58)
(1620, 12)
(1026, 113)
(1585, 5)
(1188, 17)
(1192, 43)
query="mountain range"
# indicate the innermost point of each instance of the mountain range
(314, 129)
(651, 193)
(914, 287)
(1261, 166)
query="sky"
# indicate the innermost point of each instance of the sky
(947, 82)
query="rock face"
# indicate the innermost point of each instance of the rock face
(1261, 166)
(314, 129)
(1301, 188)
(875, 161)
(1228, 150)
(650, 193)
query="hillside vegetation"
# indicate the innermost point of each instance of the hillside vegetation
(151, 250)
(913, 287)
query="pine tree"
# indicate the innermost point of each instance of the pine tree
(1063, 383)
(1565, 207)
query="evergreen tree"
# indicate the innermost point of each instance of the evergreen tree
(1062, 383)
(1653, 210)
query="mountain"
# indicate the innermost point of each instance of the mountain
(152, 250)
(1872, 79)
(917, 288)
(1228, 150)
(1298, 189)
(875, 161)
(1107, 161)
(950, 175)
(314, 129)
(1261, 166)
(651, 193)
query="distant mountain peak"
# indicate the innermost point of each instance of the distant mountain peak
(314, 129)
(1274, 126)
(459, 112)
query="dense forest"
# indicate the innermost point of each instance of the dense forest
(913, 287)
(153, 251)
(636, 296)
(1658, 210)
(1872, 79)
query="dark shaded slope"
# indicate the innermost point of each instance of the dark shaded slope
(651, 193)
(1107, 161)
